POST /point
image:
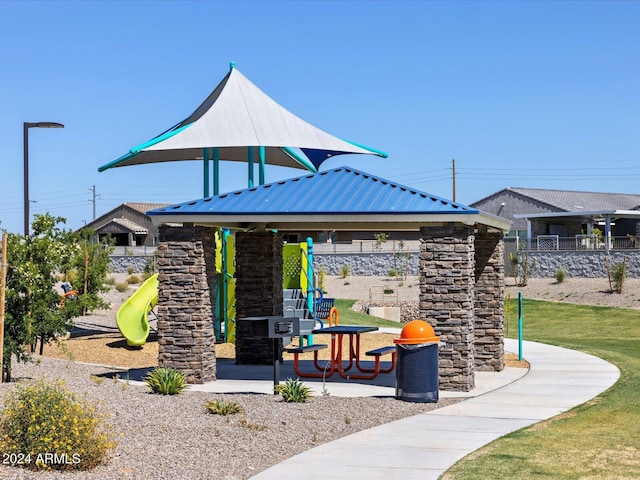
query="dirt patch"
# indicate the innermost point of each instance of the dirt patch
(111, 349)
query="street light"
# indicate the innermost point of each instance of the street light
(26, 127)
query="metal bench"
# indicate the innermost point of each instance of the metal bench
(379, 352)
(315, 348)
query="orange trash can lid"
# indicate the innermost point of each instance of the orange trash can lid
(416, 331)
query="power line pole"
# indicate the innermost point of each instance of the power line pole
(93, 199)
(453, 169)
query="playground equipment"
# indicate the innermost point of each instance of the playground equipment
(68, 293)
(132, 315)
(300, 278)
(225, 307)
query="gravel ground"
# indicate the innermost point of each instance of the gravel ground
(156, 443)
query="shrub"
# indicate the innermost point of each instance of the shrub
(560, 274)
(618, 275)
(223, 407)
(130, 270)
(294, 391)
(344, 271)
(122, 287)
(132, 279)
(46, 426)
(167, 381)
(322, 279)
(149, 267)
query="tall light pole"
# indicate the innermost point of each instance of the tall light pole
(26, 127)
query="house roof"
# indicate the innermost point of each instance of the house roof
(572, 201)
(144, 207)
(341, 198)
(117, 225)
(237, 115)
(106, 218)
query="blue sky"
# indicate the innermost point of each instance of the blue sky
(522, 94)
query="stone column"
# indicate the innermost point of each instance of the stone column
(192, 233)
(258, 291)
(186, 339)
(489, 301)
(446, 299)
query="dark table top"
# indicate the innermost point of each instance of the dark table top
(345, 329)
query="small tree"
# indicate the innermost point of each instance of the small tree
(32, 302)
(380, 239)
(522, 266)
(617, 275)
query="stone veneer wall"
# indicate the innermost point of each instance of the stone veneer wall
(489, 302)
(186, 339)
(447, 299)
(206, 235)
(586, 264)
(258, 292)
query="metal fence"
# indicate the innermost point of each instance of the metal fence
(549, 243)
(134, 251)
(368, 246)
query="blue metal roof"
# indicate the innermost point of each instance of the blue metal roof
(342, 190)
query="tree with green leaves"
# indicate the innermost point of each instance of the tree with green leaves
(32, 309)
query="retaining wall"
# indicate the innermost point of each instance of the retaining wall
(576, 264)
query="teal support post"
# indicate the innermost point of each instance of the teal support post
(262, 154)
(310, 282)
(216, 171)
(205, 171)
(250, 163)
(520, 326)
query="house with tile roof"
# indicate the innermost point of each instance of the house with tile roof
(128, 224)
(568, 214)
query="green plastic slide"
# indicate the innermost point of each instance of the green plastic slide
(132, 315)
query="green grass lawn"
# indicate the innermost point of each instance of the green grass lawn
(597, 440)
(349, 317)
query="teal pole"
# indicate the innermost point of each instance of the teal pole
(310, 275)
(520, 326)
(205, 172)
(250, 163)
(310, 302)
(261, 165)
(216, 171)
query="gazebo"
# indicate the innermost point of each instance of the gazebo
(461, 263)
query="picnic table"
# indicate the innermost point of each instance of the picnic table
(343, 360)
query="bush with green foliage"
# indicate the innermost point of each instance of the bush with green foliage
(46, 426)
(344, 271)
(223, 407)
(522, 266)
(133, 279)
(560, 275)
(322, 279)
(32, 299)
(618, 274)
(294, 391)
(150, 267)
(165, 380)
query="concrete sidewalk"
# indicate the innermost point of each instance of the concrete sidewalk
(425, 446)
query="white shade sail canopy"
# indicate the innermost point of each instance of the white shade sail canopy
(237, 115)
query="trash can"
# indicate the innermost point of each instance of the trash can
(417, 363)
